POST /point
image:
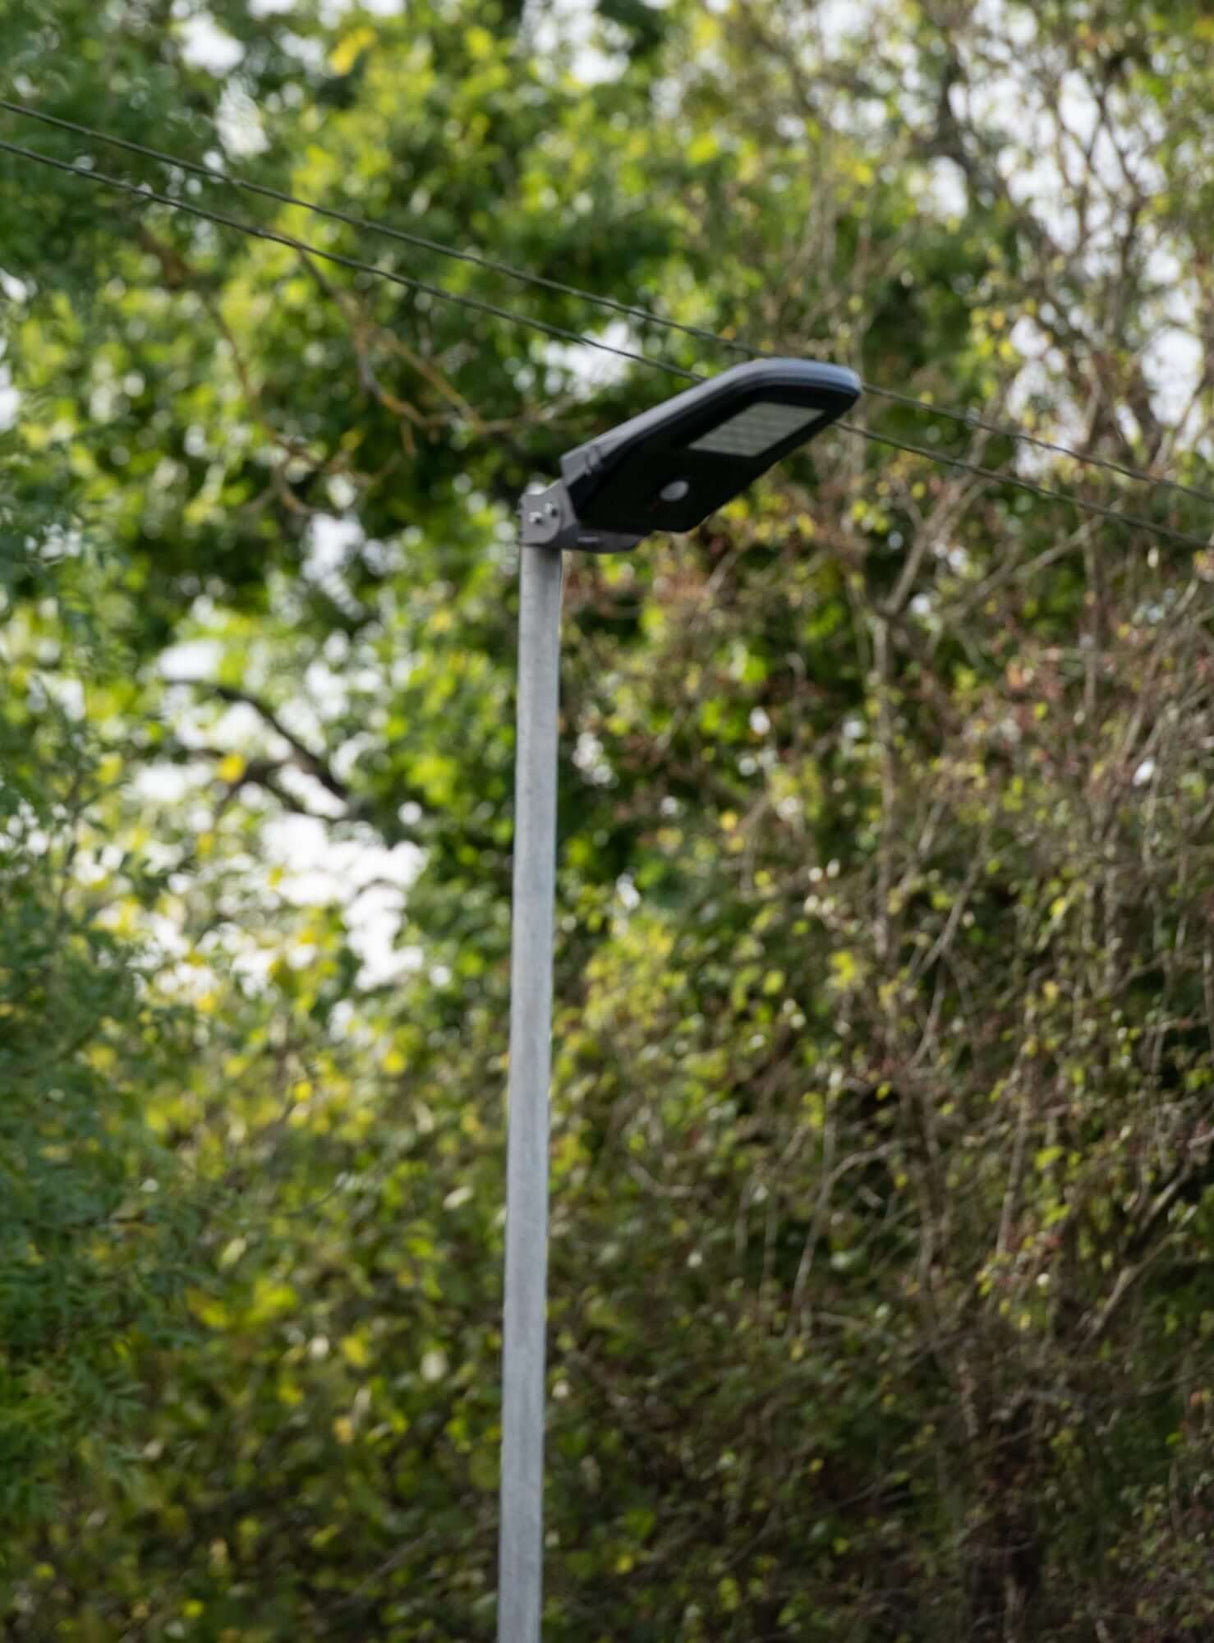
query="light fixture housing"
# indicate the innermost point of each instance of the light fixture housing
(672, 466)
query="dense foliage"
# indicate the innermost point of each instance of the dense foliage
(883, 1197)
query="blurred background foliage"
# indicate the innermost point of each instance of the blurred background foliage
(881, 1297)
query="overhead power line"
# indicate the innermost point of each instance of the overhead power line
(370, 225)
(971, 419)
(1044, 491)
(279, 237)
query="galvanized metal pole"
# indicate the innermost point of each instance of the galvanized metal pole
(522, 1531)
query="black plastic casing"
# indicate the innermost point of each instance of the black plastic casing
(615, 482)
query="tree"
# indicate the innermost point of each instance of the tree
(98, 1217)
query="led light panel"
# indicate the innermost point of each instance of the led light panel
(756, 429)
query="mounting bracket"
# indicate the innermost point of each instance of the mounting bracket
(547, 520)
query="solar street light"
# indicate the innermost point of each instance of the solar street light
(665, 470)
(670, 467)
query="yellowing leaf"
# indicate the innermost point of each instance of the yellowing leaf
(289, 1392)
(270, 1300)
(845, 970)
(343, 1429)
(355, 1351)
(350, 48)
(208, 1311)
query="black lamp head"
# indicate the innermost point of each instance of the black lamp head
(670, 467)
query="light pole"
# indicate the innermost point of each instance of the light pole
(665, 470)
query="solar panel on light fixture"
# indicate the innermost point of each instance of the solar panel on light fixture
(756, 429)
